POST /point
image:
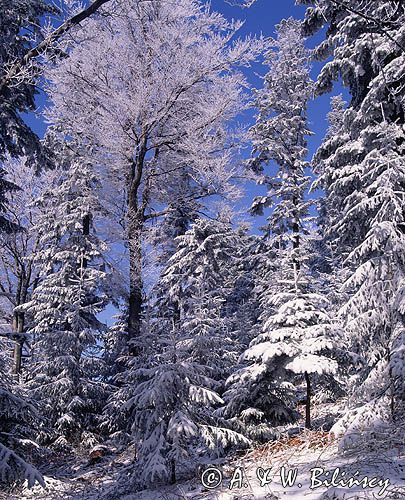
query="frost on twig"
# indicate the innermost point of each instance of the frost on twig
(241, 3)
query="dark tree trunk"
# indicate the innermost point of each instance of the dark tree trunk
(24, 279)
(308, 402)
(391, 387)
(172, 472)
(86, 224)
(135, 285)
(18, 327)
(136, 221)
(86, 232)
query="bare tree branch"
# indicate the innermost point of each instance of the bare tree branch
(48, 41)
(62, 29)
(241, 3)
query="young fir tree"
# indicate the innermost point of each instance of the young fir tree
(171, 392)
(18, 419)
(363, 177)
(172, 410)
(202, 278)
(296, 329)
(64, 306)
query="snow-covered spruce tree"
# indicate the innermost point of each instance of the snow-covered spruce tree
(241, 308)
(201, 280)
(370, 198)
(65, 377)
(119, 364)
(336, 138)
(330, 253)
(6, 187)
(363, 177)
(173, 391)
(17, 414)
(18, 417)
(19, 28)
(208, 286)
(295, 337)
(171, 410)
(165, 75)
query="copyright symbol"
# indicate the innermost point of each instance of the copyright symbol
(211, 478)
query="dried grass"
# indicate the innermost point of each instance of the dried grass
(307, 440)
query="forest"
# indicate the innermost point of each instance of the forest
(193, 299)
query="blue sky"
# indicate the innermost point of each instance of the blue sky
(259, 19)
(263, 17)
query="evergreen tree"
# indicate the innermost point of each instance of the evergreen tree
(172, 410)
(295, 327)
(20, 26)
(6, 225)
(64, 307)
(18, 418)
(171, 391)
(363, 177)
(201, 280)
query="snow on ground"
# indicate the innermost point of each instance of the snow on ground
(254, 475)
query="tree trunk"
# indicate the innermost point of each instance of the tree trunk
(172, 472)
(136, 220)
(308, 402)
(18, 326)
(135, 292)
(135, 227)
(391, 386)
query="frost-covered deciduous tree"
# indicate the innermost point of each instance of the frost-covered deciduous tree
(65, 376)
(362, 173)
(151, 86)
(18, 272)
(295, 337)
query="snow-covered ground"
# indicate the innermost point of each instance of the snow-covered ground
(258, 474)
